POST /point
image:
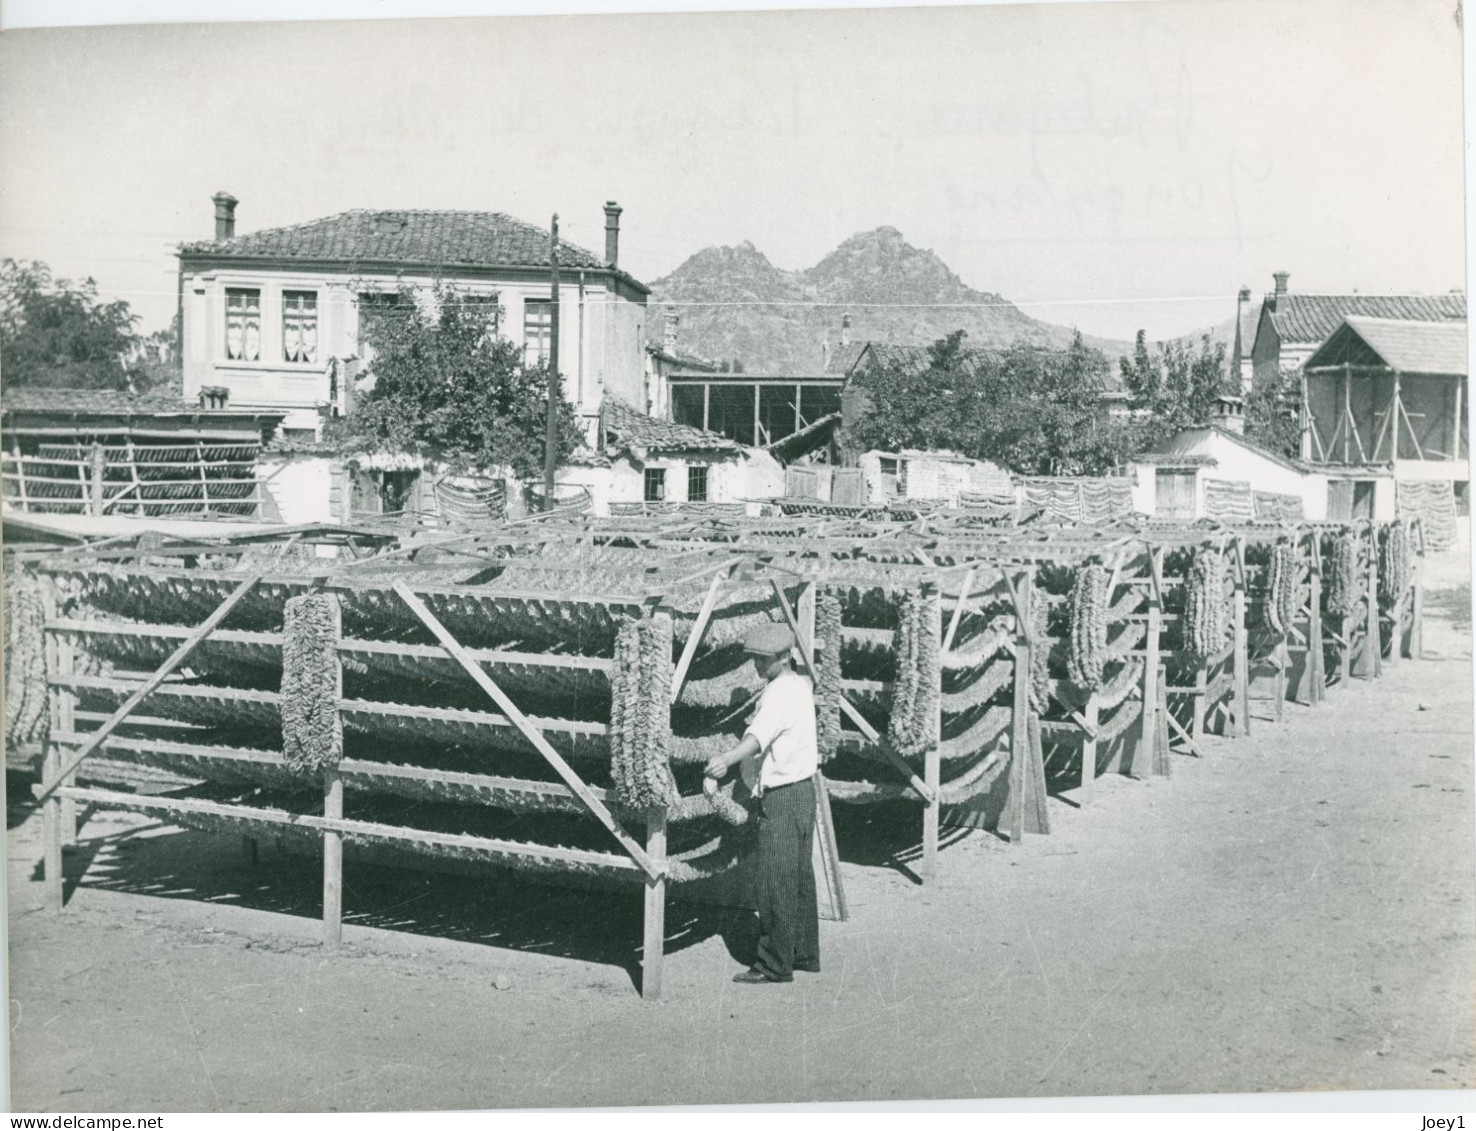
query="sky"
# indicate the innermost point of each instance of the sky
(1109, 166)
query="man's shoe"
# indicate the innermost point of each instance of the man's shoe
(754, 976)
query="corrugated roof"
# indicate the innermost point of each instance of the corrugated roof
(1310, 319)
(414, 236)
(812, 437)
(1410, 347)
(624, 427)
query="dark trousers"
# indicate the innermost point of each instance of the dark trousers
(784, 889)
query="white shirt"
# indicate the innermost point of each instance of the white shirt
(784, 725)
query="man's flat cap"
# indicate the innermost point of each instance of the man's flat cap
(768, 640)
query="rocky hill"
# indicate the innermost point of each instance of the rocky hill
(735, 304)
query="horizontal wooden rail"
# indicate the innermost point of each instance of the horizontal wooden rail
(350, 706)
(349, 768)
(349, 647)
(370, 830)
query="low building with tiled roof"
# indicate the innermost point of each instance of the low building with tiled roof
(663, 465)
(1291, 325)
(107, 453)
(1212, 470)
(278, 317)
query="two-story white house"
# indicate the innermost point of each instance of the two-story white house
(276, 318)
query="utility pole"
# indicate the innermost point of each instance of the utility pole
(552, 433)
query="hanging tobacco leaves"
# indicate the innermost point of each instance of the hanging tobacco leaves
(640, 715)
(312, 731)
(914, 719)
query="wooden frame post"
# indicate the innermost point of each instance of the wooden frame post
(98, 465)
(1020, 715)
(60, 651)
(1417, 607)
(1145, 755)
(1316, 663)
(51, 836)
(332, 860)
(1241, 660)
(933, 776)
(1366, 663)
(1088, 752)
(1200, 709)
(653, 944)
(333, 810)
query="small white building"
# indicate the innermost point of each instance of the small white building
(656, 463)
(935, 475)
(1213, 470)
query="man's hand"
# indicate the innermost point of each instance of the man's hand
(718, 764)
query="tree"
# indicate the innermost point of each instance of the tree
(1273, 414)
(59, 334)
(1175, 387)
(1034, 411)
(445, 385)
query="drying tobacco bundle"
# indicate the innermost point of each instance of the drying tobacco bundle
(1206, 617)
(312, 732)
(1281, 588)
(26, 718)
(640, 714)
(1343, 590)
(913, 726)
(1040, 650)
(827, 675)
(1086, 660)
(1393, 564)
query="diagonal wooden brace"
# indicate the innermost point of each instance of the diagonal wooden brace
(150, 685)
(454, 649)
(694, 638)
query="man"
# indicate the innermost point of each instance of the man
(781, 737)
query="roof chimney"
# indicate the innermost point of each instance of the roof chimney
(612, 233)
(845, 330)
(1230, 414)
(669, 335)
(225, 215)
(1281, 277)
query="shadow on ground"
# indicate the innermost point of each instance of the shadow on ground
(499, 909)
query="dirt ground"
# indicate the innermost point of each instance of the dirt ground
(1295, 911)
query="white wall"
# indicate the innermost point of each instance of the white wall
(299, 485)
(601, 335)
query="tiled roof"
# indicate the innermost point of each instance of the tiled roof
(417, 236)
(626, 428)
(96, 402)
(844, 356)
(1410, 347)
(682, 360)
(1310, 319)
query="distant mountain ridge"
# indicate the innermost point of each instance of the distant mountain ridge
(734, 304)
